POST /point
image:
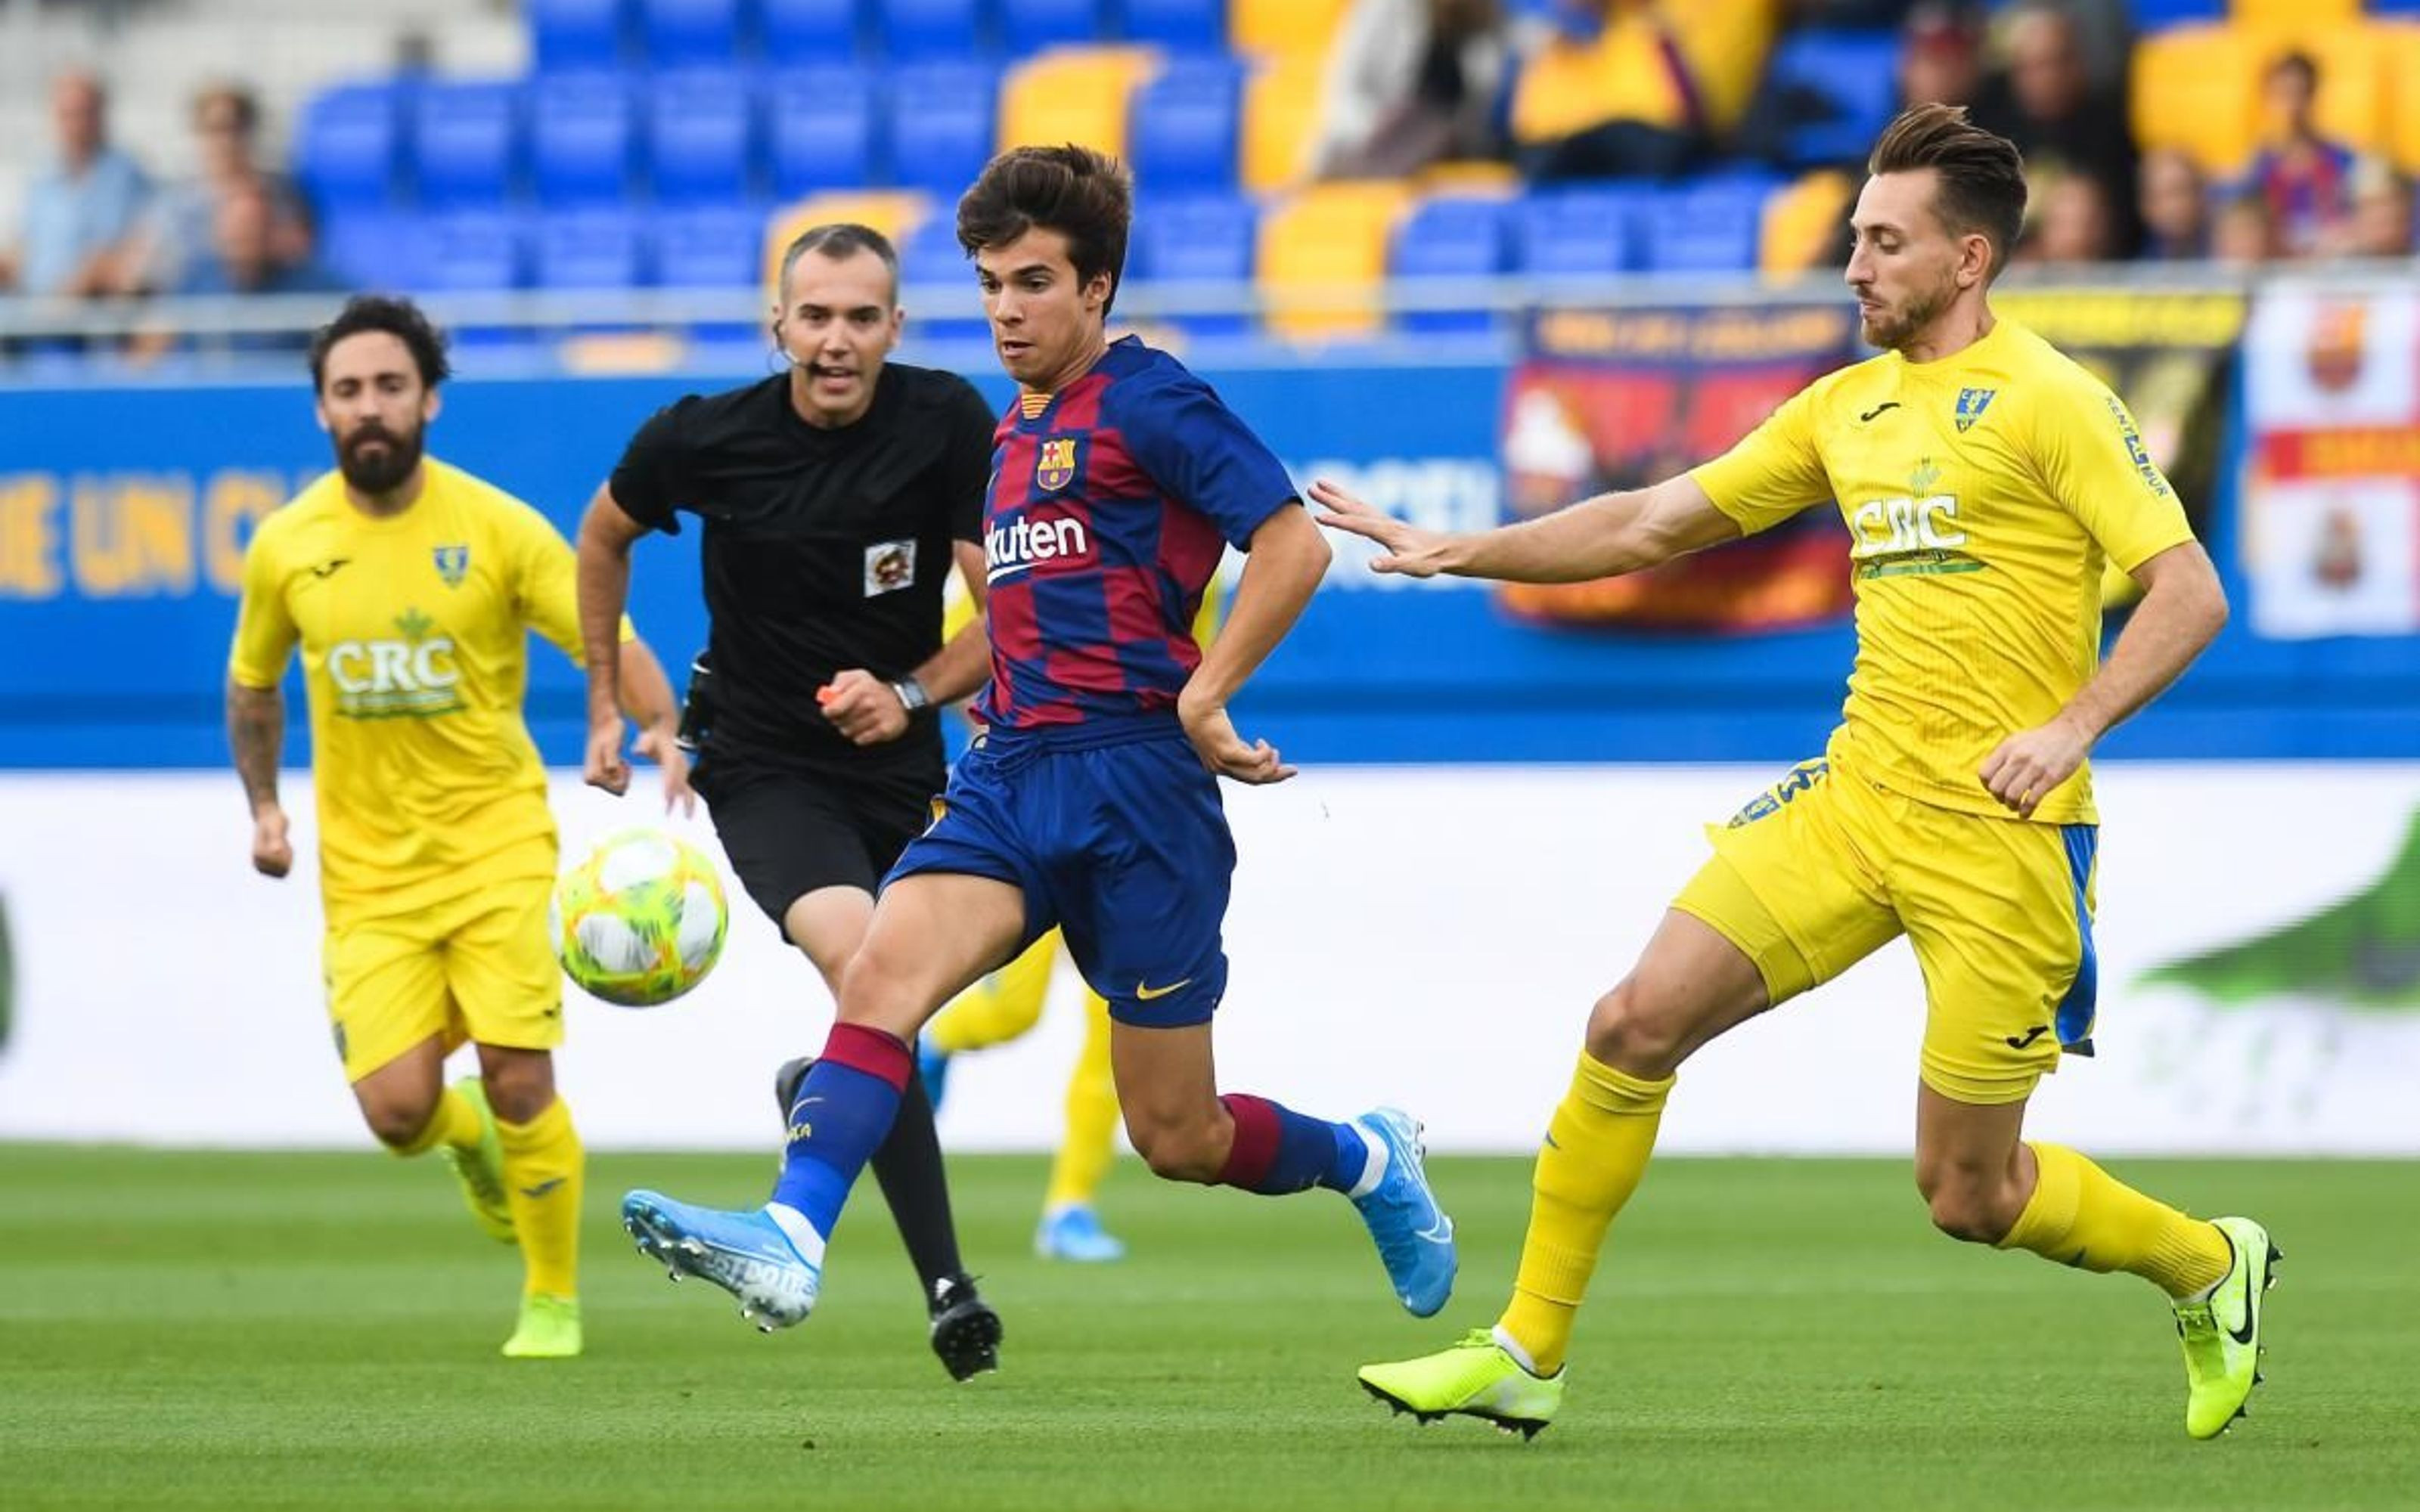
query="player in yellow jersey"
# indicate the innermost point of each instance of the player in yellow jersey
(411, 588)
(1005, 1007)
(1984, 478)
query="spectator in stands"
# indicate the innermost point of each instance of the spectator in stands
(1941, 54)
(2380, 223)
(1626, 89)
(177, 227)
(2073, 225)
(245, 257)
(1411, 82)
(2241, 235)
(80, 209)
(2173, 203)
(2044, 101)
(2305, 179)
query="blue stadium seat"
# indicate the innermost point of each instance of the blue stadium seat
(589, 249)
(1855, 73)
(346, 147)
(918, 30)
(1182, 126)
(700, 135)
(466, 141)
(931, 259)
(576, 34)
(1196, 238)
(582, 133)
(944, 117)
(820, 130)
(811, 33)
(1197, 24)
(1030, 25)
(1579, 230)
(1707, 227)
(1450, 237)
(371, 248)
(710, 248)
(464, 251)
(2149, 15)
(681, 33)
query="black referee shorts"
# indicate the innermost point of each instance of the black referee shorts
(789, 832)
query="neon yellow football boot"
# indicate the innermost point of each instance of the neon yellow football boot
(482, 1171)
(2222, 1333)
(1475, 1378)
(548, 1330)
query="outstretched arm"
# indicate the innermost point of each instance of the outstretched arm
(256, 730)
(2183, 608)
(1600, 537)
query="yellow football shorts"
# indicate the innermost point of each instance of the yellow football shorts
(1823, 868)
(475, 967)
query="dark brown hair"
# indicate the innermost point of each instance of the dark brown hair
(400, 318)
(1084, 195)
(1982, 177)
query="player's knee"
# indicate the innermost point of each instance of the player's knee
(396, 1122)
(1176, 1150)
(1964, 1207)
(1626, 1033)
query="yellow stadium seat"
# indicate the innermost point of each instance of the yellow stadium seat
(1283, 26)
(2196, 88)
(1074, 94)
(2292, 12)
(894, 213)
(1471, 178)
(1281, 111)
(2354, 89)
(2401, 45)
(1803, 224)
(1329, 245)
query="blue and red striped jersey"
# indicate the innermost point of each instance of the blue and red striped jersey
(1111, 503)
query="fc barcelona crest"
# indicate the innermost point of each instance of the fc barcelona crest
(1971, 404)
(1056, 467)
(452, 564)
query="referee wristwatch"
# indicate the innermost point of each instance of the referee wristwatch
(912, 696)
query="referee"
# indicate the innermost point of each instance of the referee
(836, 497)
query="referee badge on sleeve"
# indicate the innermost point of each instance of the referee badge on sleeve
(890, 565)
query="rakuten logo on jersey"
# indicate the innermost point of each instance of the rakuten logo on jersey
(1026, 543)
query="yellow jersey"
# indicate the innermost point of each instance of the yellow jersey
(1983, 492)
(415, 655)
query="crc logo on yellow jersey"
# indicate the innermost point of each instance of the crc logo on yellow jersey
(1909, 534)
(414, 674)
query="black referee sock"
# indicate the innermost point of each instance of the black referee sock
(908, 1163)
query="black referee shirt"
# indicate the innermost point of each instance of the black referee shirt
(824, 549)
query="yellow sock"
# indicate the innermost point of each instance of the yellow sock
(543, 1165)
(455, 1123)
(2083, 1216)
(1000, 1007)
(1084, 1149)
(1595, 1152)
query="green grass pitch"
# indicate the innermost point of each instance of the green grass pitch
(319, 1331)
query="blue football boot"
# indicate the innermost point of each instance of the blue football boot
(1415, 1237)
(753, 1255)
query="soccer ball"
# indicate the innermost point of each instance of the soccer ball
(640, 920)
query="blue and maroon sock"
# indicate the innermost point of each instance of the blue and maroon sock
(842, 1110)
(1278, 1150)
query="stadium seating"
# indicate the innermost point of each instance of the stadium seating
(2402, 44)
(809, 33)
(345, 148)
(1284, 27)
(466, 142)
(1711, 226)
(474, 251)
(708, 248)
(1853, 74)
(1183, 127)
(934, 269)
(2196, 88)
(1031, 25)
(1189, 25)
(1193, 238)
(943, 124)
(1329, 242)
(1451, 236)
(575, 35)
(2292, 12)
(588, 249)
(1801, 225)
(2149, 15)
(700, 137)
(1579, 231)
(582, 139)
(918, 30)
(820, 130)
(895, 213)
(1072, 94)
(691, 33)
(1281, 111)
(372, 248)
